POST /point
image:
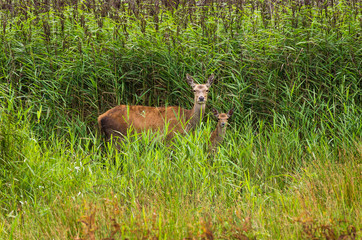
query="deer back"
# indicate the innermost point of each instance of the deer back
(139, 118)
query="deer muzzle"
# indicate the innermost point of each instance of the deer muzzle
(201, 99)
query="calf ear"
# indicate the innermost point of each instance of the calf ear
(230, 113)
(190, 80)
(215, 112)
(210, 80)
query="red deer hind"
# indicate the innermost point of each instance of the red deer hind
(116, 121)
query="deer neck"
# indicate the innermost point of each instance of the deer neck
(197, 113)
(217, 135)
(220, 133)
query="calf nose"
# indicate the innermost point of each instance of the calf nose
(201, 98)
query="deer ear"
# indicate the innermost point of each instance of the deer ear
(190, 80)
(210, 80)
(230, 113)
(215, 112)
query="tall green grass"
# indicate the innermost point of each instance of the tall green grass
(80, 60)
(255, 184)
(288, 168)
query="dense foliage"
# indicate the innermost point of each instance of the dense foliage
(289, 167)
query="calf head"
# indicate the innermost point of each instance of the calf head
(222, 117)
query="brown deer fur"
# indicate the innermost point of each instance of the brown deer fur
(217, 136)
(116, 121)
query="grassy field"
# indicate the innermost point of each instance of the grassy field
(289, 167)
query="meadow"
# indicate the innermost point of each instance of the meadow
(290, 164)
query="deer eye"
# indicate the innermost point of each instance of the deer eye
(194, 90)
(207, 90)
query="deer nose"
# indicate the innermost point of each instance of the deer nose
(223, 124)
(201, 99)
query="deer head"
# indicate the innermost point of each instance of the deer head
(222, 118)
(200, 90)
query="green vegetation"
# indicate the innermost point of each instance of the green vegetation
(289, 167)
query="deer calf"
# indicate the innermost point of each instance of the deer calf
(116, 121)
(217, 136)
